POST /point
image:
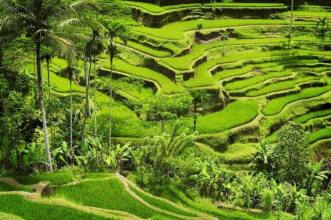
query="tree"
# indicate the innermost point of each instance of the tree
(288, 158)
(38, 18)
(70, 71)
(315, 177)
(264, 159)
(162, 108)
(47, 57)
(156, 160)
(292, 153)
(91, 48)
(211, 178)
(291, 24)
(113, 29)
(199, 98)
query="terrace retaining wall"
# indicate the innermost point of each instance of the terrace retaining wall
(158, 20)
(154, 65)
(288, 2)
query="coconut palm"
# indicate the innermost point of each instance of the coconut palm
(37, 19)
(113, 29)
(91, 48)
(70, 71)
(47, 57)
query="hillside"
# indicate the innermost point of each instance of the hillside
(165, 109)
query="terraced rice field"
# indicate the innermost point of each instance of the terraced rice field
(258, 80)
(100, 196)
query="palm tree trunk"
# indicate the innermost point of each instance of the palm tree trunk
(71, 130)
(87, 96)
(48, 81)
(291, 24)
(111, 56)
(1, 57)
(195, 117)
(95, 99)
(49, 95)
(41, 102)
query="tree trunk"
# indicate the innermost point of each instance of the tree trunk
(49, 95)
(195, 117)
(95, 98)
(111, 56)
(291, 24)
(71, 130)
(87, 96)
(1, 58)
(41, 102)
(48, 81)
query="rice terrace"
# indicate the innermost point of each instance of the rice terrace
(165, 109)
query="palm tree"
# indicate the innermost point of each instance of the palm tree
(48, 58)
(70, 71)
(38, 18)
(93, 48)
(113, 29)
(291, 24)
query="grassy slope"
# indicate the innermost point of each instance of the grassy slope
(255, 80)
(278, 86)
(176, 30)
(160, 203)
(324, 133)
(184, 62)
(155, 9)
(167, 86)
(276, 105)
(108, 194)
(235, 114)
(32, 210)
(312, 115)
